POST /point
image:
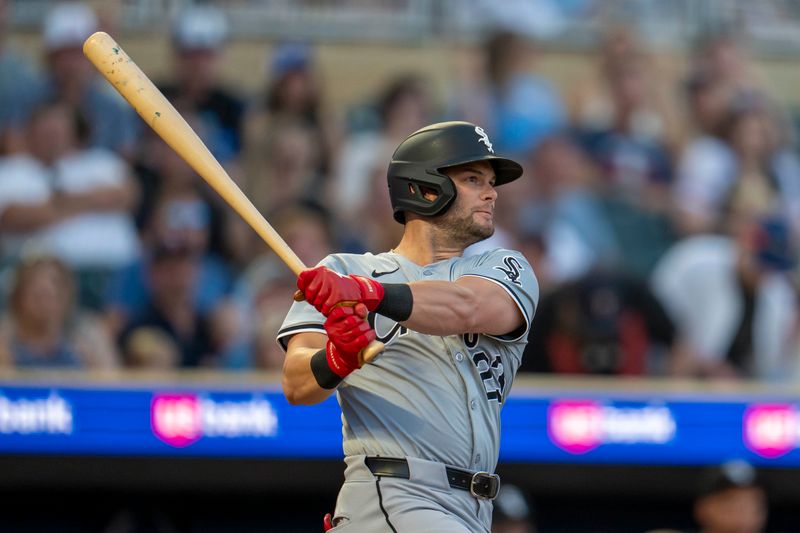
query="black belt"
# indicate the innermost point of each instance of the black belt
(480, 484)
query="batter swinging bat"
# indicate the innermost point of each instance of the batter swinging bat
(128, 79)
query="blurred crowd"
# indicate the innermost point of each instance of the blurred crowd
(661, 211)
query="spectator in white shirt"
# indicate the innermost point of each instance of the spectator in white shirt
(67, 200)
(734, 300)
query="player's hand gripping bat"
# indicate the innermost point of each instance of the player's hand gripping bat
(128, 79)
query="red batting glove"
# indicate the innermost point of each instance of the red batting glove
(324, 289)
(348, 334)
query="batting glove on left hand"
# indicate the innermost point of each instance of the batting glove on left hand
(348, 334)
(325, 289)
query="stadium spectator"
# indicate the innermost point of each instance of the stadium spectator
(706, 158)
(44, 328)
(731, 499)
(636, 167)
(69, 200)
(27, 207)
(198, 38)
(601, 323)
(292, 99)
(372, 233)
(200, 338)
(516, 106)
(734, 300)
(754, 171)
(101, 238)
(163, 175)
(74, 81)
(185, 220)
(565, 207)
(288, 171)
(17, 75)
(404, 106)
(592, 103)
(767, 174)
(720, 54)
(633, 159)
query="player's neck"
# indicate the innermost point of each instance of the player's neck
(423, 245)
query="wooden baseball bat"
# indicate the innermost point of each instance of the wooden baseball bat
(128, 79)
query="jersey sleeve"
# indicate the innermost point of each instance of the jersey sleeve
(511, 271)
(302, 317)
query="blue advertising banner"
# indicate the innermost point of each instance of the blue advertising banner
(539, 425)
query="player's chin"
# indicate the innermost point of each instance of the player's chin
(483, 231)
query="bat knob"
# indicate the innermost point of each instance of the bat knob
(298, 296)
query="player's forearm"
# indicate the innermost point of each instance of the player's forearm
(443, 308)
(468, 305)
(299, 384)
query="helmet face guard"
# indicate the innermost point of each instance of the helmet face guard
(418, 163)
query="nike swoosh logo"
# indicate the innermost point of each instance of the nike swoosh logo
(376, 274)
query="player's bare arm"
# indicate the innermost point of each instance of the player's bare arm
(467, 305)
(315, 363)
(299, 385)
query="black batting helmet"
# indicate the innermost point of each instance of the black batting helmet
(421, 157)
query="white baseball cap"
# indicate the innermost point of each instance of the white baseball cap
(68, 24)
(199, 27)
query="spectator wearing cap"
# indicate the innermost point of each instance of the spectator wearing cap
(199, 34)
(733, 299)
(731, 499)
(512, 511)
(71, 79)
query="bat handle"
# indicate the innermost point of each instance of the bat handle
(366, 355)
(369, 353)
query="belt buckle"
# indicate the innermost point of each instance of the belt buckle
(491, 481)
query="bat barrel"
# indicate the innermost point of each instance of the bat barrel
(126, 77)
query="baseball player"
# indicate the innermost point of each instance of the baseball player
(421, 423)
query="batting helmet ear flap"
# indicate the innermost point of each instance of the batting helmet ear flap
(408, 193)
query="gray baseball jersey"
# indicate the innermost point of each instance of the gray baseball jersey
(435, 398)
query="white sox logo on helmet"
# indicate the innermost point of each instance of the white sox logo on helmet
(484, 138)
